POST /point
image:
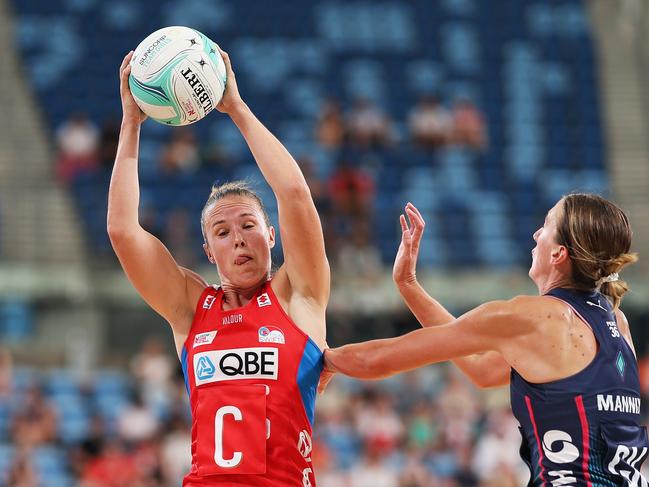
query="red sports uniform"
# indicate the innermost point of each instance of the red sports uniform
(252, 376)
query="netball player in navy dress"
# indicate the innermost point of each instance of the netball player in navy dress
(567, 354)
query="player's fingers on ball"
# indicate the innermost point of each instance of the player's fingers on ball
(125, 61)
(224, 55)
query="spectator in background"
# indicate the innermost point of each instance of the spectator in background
(357, 257)
(490, 453)
(137, 422)
(373, 471)
(108, 143)
(468, 125)
(22, 473)
(175, 457)
(320, 195)
(6, 369)
(178, 236)
(352, 195)
(181, 155)
(154, 369)
(35, 423)
(378, 423)
(369, 127)
(430, 124)
(77, 143)
(330, 127)
(113, 467)
(352, 190)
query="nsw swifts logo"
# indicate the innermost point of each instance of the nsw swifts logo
(270, 334)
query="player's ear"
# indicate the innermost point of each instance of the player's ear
(559, 254)
(271, 236)
(208, 253)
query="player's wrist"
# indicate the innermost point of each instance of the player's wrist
(407, 282)
(238, 109)
(131, 121)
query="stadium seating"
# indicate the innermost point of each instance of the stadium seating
(528, 65)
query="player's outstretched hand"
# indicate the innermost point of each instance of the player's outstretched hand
(327, 374)
(405, 263)
(231, 98)
(130, 110)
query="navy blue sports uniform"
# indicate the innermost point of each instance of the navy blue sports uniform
(583, 430)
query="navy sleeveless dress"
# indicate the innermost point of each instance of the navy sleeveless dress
(583, 430)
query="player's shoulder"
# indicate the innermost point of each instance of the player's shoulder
(524, 312)
(518, 304)
(622, 322)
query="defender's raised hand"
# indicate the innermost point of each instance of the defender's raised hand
(405, 263)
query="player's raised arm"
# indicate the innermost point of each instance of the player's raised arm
(488, 369)
(302, 239)
(165, 286)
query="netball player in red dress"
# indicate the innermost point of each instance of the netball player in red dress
(251, 347)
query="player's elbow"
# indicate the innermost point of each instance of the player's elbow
(295, 192)
(119, 234)
(489, 381)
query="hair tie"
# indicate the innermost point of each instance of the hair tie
(610, 278)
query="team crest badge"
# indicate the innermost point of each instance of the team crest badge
(271, 334)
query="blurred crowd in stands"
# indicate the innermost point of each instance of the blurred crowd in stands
(84, 147)
(429, 428)
(345, 196)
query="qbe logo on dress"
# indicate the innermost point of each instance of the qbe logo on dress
(236, 364)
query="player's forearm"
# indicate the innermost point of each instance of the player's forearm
(427, 310)
(360, 360)
(276, 164)
(124, 191)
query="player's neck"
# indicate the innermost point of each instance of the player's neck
(554, 281)
(236, 297)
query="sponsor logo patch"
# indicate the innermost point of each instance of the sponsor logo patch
(270, 334)
(209, 301)
(204, 369)
(263, 300)
(235, 364)
(204, 338)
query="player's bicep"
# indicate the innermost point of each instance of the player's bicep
(156, 276)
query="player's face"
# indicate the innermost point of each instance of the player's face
(239, 241)
(546, 244)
